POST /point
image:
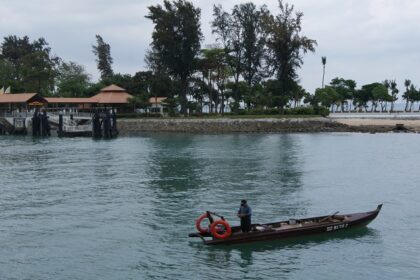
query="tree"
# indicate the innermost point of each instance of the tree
(7, 70)
(72, 80)
(327, 96)
(345, 90)
(275, 89)
(34, 68)
(298, 95)
(394, 93)
(286, 45)
(380, 94)
(122, 80)
(413, 96)
(104, 60)
(324, 62)
(229, 33)
(216, 72)
(176, 41)
(252, 41)
(406, 95)
(366, 94)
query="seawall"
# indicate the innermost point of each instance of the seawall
(226, 125)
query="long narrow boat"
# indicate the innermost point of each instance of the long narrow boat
(292, 228)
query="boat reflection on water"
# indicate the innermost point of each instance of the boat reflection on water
(287, 250)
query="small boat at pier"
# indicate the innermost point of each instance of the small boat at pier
(220, 232)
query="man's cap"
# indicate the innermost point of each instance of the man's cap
(243, 201)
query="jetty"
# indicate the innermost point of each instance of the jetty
(25, 113)
(100, 123)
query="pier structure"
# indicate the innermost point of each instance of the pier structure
(24, 113)
(101, 123)
(104, 124)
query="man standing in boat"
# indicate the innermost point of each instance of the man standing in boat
(244, 214)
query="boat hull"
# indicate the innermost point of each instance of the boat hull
(353, 220)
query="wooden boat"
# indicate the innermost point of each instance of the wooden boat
(292, 228)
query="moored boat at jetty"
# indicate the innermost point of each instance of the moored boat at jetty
(219, 232)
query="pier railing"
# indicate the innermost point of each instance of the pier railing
(77, 128)
(18, 115)
(30, 114)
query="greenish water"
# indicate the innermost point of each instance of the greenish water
(122, 209)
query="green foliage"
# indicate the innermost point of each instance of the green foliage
(252, 39)
(286, 47)
(172, 105)
(139, 101)
(215, 72)
(380, 92)
(299, 111)
(242, 36)
(229, 33)
(104, 60)
(327, 96)
(176, 41)
(94, 88)
(7, 69)
(33, 68)
(122, 80)
(72, 80)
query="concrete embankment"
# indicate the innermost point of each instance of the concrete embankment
(226, 125)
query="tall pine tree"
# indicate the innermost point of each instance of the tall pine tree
(176, 42)
(103, 57)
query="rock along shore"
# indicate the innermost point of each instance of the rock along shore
(227, 125)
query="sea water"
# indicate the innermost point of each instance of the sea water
(122, 209)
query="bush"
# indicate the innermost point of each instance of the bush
(289, 111)
(323, 111)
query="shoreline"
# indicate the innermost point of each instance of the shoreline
(264, 125)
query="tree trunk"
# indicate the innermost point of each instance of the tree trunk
(210, 95)
(183, 95)
(222, 105)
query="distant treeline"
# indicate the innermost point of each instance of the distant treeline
(252, 66)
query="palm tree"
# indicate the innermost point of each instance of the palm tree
(394, 92)
(324, 62)
(406, 95)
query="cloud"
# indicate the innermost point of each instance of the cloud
(367, 41)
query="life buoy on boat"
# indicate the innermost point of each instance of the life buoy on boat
(198, 223)
(215, 229)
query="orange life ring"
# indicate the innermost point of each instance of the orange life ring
(214, 229)
(198, 223)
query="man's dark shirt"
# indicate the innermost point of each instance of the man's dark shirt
(245, 210)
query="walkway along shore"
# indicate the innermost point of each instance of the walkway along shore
(263, 125)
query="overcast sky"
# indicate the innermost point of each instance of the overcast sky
(364, 40)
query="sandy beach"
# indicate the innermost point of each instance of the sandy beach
(389, 123)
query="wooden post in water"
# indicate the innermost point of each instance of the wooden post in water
(60, 124)
(96, 126)
(36, 124)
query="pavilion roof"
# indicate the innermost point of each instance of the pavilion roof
(19, 97)
(112, 88)
(112, 94)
